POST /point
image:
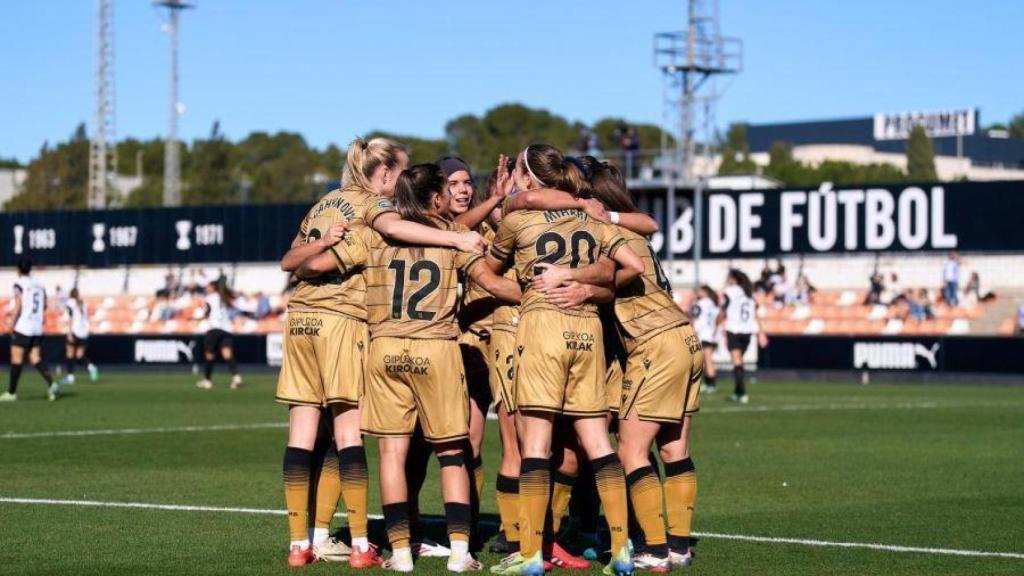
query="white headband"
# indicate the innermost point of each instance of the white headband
(526, 162)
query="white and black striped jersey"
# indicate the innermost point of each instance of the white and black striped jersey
(705, 315)
(740, 311)
(217, 313)
(78, 319)
(32, 318)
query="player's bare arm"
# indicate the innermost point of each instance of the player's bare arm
(317, 265)
(391, 226)
(301, 250)
(602, 272)
(501, 287)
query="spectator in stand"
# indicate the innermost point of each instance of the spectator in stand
(263, 308)
(891, 292)
(951, 279)
(803, 290)
(874, 294)
(780, 287)
(630, 147)
(973, 293)
(169, 287)
(920, 307)
(764, 282)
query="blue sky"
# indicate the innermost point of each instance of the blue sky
(331, 69)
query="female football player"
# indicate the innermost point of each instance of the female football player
(659, 391)
(705, 312)
(325, 337)
(413, 365)
(218, 302)
(77, 344)
(741, 322)
(560, 354)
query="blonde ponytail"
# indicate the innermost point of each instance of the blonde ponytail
(364, 158)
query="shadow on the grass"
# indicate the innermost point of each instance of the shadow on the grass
(434, 528)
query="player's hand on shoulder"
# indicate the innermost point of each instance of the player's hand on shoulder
(471, 242)
(595, 209)
(335, 233)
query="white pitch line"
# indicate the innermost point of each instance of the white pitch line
(120, 431)
(864, 545)
(712, 535)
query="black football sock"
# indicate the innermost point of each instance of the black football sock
(45, 373)
(12, 387)
(741, 386)
(208, 369)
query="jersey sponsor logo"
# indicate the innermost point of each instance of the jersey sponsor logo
(895, 355)
(163, 351)
(693, 342)
(578, 341)
(385, 204)
(305, 326)
(406, 363)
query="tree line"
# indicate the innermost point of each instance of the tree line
(282, 167)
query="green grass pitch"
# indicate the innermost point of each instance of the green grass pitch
(933, 467)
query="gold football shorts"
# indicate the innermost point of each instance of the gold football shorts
(503, 373)
(476, 356)
(322, 360)
(662, 379)
(560, 365)
(409, 380)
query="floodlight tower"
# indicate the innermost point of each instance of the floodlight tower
(688, 60)
(103, 144)
(172, 162)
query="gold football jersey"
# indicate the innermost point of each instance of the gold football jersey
(411, 291)
(645, 307)
(559, 237)
(342, 293)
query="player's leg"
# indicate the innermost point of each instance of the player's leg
(534, 480)
(710, 372)
(210, 345)
(227, 352)
(328, 492)
(83, 358)
(739, 374)
(17, 361)
(635, 439)
(566, 455)
(456, 492)
(354, 475)
(415, 475)
(303, 422)
(35, 356)
(680, 488)
(611, 484)
(393, 494)
(507, 484)
(69, 360)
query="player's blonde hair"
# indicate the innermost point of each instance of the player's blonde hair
(365, 157)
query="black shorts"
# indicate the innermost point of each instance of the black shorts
(736, 341)
(76, 341)
(27, 342)
(217, 339)
(711, 345)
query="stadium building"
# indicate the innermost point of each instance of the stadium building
(963, 150)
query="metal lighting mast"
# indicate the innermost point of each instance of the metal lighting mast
(172, 162)
(103, 144)
(687, 60)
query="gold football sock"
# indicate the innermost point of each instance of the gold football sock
(328, 489)
(561, 492)
(680, 496)
(507, 494)
(611, 487)
(645, 493)
(354, 486)
(458, 516)
(297, 462)
(534, 497)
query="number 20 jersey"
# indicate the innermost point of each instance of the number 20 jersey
(337, 293)
(411, 291)
(560, 237)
